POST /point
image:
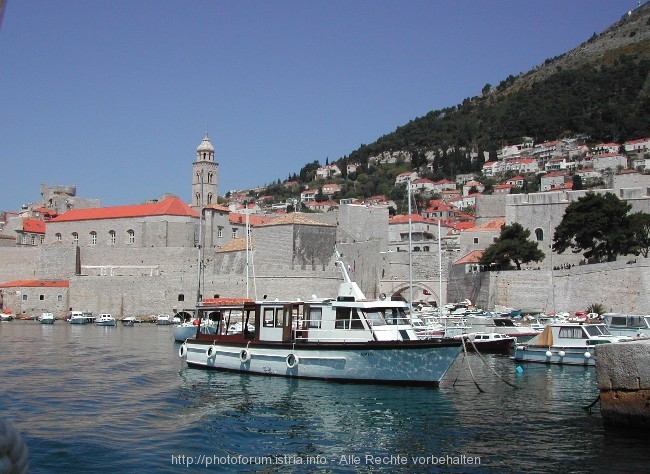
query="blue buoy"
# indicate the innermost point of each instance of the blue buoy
(519, 370)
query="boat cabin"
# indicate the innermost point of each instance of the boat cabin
(627, 324)
(324, 320)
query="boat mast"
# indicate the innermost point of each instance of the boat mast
(408, 184)
(440, 270)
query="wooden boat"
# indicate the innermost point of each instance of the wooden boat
(347, 338)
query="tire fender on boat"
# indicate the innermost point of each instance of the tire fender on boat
(292, 361)
(211, 352)
(244, 356)
(182, 351)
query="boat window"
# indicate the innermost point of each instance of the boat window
(598, 330)
(618, 321)
(355, 322)
(395, 316)
(342, 318)
(314, 317)
(278, 317)
(375, 317)
(268, 317)
(635, 321)
(647, 321)
(572, 333)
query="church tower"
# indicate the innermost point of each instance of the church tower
(204, 175)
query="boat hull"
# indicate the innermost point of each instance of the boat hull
(558, 355)
(47, 321)
(417, 363)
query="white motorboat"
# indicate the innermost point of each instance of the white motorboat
(633, 325)
(46, 318)
(566, 343)
(6, 316)
(349, 338)
(188, 328)
(81, 317)
(105, 319)
(163, 320)
(130, 321)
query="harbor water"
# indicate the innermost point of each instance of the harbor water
(119, 399)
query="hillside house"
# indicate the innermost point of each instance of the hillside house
(612, 161)
(553, 180)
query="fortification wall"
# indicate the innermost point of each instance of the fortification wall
(18, 263)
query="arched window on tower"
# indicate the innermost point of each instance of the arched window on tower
(209, 198)
(539, 234)
(210, 177)
(198, 199)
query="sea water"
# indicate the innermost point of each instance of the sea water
(119, 399)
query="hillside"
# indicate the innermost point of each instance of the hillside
(600, 89)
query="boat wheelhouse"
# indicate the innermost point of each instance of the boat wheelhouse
(633, 325)
(566, 343)
(349, 338)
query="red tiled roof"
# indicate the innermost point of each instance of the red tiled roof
(473, 257)
(172, 206)
(36, 283)
(34, 226)
(494, 225)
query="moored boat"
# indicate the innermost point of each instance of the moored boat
(633, 325)
(46, 318)
(81, 317)
(489, 342)
(163, 320)
(105, 319)
(349, 338)
(566, 343)
(130, 321)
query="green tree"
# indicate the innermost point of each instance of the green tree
(597, 225)
(640, 222)
(577, 182)
(512, 245)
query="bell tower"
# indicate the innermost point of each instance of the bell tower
(204, 175)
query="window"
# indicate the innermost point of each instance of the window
(539, 234)
(41, 297)
(24, 297)
(315, 317)
(220, 233)
(93, 238)
(59, 298)
(111, 237)
(33, 240)
(75, 238)
(130, 236)
(58, 236)
(181, 297)
(268, 317)
(234, 233)
(572, 333)
(476, 240)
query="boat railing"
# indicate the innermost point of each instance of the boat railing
(325, 335)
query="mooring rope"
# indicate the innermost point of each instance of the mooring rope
(469, 366)
(590, 406)
(491, 368)
(14, 455)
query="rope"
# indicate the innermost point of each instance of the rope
(590, 406)
(491, 368)
(469, 366)
(14, 455)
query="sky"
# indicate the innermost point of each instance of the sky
(114, 97)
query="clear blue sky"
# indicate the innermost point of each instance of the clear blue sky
(115, 96)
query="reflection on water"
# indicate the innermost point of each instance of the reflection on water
(118, 399)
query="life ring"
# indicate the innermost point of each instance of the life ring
(182, 351)
(292, 361)
(211, 352)
(244, 356)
